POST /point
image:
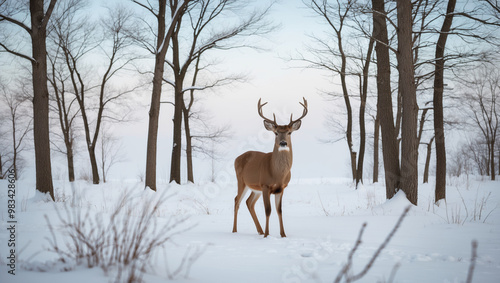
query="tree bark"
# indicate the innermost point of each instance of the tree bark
(492, 158)
(43, 165)
(376, 133)
(71, 166)
(440, 190)
(93, 165)
(409, 146)
(179, 74)
(428, 161)
(384, 100)
(154, 113)
(175, 166)
(189, 148)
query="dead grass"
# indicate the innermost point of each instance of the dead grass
(122, 242)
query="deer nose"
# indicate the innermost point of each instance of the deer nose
(283, 143)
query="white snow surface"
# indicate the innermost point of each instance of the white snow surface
(322, 219)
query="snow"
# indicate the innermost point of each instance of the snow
(322, 219)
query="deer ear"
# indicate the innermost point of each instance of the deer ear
(270, 126)
(296, 125)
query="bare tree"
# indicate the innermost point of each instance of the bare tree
(64, 104)
(12, 12)
(3, 146)
(482, 103)
(20, 125)
(205, 140)
(202, 34)
(75, 40)
(440, 191)
(409, 149)
(338, 18)
(110, 152)
(188, 115)
(159, 47)
(390, 151)
(376, 138)
(428, 160)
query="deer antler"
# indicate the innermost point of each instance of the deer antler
(303, 113)
(259, 107)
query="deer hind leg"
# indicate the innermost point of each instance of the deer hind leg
(266, 195)
(242, 189)
(252, 199)
(278, 198)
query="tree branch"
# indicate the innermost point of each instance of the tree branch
(18, 54)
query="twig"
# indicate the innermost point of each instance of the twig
(382, 246)
(344, 272)
(322, 206)
(472, 262)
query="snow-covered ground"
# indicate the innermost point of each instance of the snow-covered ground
(322, 220)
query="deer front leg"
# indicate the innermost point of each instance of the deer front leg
(266, 195)
(278, 198)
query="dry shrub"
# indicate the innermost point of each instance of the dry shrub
(121, 243)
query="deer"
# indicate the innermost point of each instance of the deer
(267, 173)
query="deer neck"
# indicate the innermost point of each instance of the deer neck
(281, 159)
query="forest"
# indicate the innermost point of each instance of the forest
(146, 104)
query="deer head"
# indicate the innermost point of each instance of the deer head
(283, 132)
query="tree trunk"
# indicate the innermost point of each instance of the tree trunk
(362, 129)
(353, 163)
(376, 133)
(189, 149)
(179, 74)
(154, 111)
(409, 146)
(40, 98)
(421, 125)
(175, 166)
(347, 102)
(1, 168)
(487, 161)
(71, 166)
(384, 100)
(492, 158)
(428, 161)
(93, 164)
(440, 190)
(14, 163)
(14, 142)
(362, 142)
(103, 172)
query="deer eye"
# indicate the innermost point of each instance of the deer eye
(276, 133)
(289, 133)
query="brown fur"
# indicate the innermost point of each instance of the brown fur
(266, 173)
